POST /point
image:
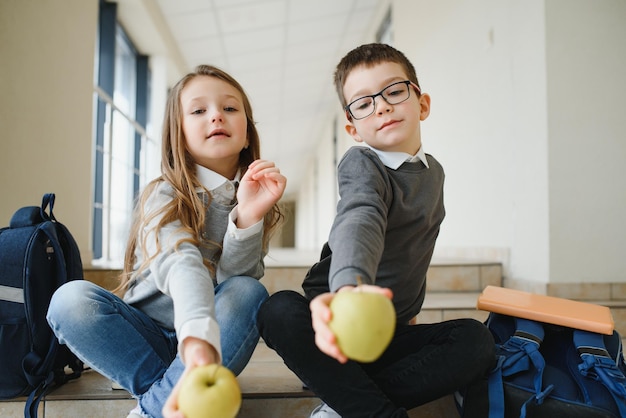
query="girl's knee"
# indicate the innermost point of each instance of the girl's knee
(239, 299)
(256, 289)
(71, 300)
(245, 288)
(66, 295)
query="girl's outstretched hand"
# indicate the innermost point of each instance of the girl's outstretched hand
(197, 352)
(259, 189)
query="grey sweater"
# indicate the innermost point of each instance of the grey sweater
(385, 229)
(176, 289)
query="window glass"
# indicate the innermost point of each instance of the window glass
(122, 146)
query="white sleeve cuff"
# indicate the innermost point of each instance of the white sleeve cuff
(241, 234)
(205, 329)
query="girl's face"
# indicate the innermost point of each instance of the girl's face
(391, 127)
(214, 124)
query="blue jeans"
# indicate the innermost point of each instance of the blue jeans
(422, 363)
(128, 347)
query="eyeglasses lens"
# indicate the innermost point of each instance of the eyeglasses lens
(393, 94)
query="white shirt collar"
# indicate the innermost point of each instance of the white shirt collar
(212, 180)
(393, 159)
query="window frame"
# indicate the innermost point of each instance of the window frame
(109, 117)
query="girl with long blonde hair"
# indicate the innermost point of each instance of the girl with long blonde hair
(189, 291)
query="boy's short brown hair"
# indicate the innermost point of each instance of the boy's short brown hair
(369, 55)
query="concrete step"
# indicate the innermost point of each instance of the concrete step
(269, 389)
(289, 272)
(452, 284)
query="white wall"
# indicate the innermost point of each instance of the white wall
(535, 166)
(46, 102)
(483, 63)
(586, 90)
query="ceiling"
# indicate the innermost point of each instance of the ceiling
(283, 52)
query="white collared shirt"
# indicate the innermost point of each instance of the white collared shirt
(394, 159)
(224, 191)
(218, 185)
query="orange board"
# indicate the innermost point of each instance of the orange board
(548, 309)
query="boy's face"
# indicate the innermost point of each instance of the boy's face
(390, 127)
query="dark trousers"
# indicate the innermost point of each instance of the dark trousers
(423, 362)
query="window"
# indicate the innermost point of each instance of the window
(122, 145)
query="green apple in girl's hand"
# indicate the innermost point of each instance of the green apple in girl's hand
(363, 323)
(210, 391)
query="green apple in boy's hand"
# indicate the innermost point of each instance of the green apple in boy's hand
(363, 323)
(210, 391)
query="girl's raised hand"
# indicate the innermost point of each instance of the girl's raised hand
(259, 189)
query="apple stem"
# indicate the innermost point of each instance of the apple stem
(359, 281)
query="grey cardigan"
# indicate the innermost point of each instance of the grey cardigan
(177, 290)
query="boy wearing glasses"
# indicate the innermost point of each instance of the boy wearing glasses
(388, 218)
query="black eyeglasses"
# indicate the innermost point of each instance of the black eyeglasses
(393, 94)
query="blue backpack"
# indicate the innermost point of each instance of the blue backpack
(546, 370)
(37, 255)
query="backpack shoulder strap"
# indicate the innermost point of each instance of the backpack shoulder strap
(597, 364)
(70, 250)
(40, 391)
(519, 353)
(51, 382)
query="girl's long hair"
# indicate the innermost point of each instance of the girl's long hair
(179, 169)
